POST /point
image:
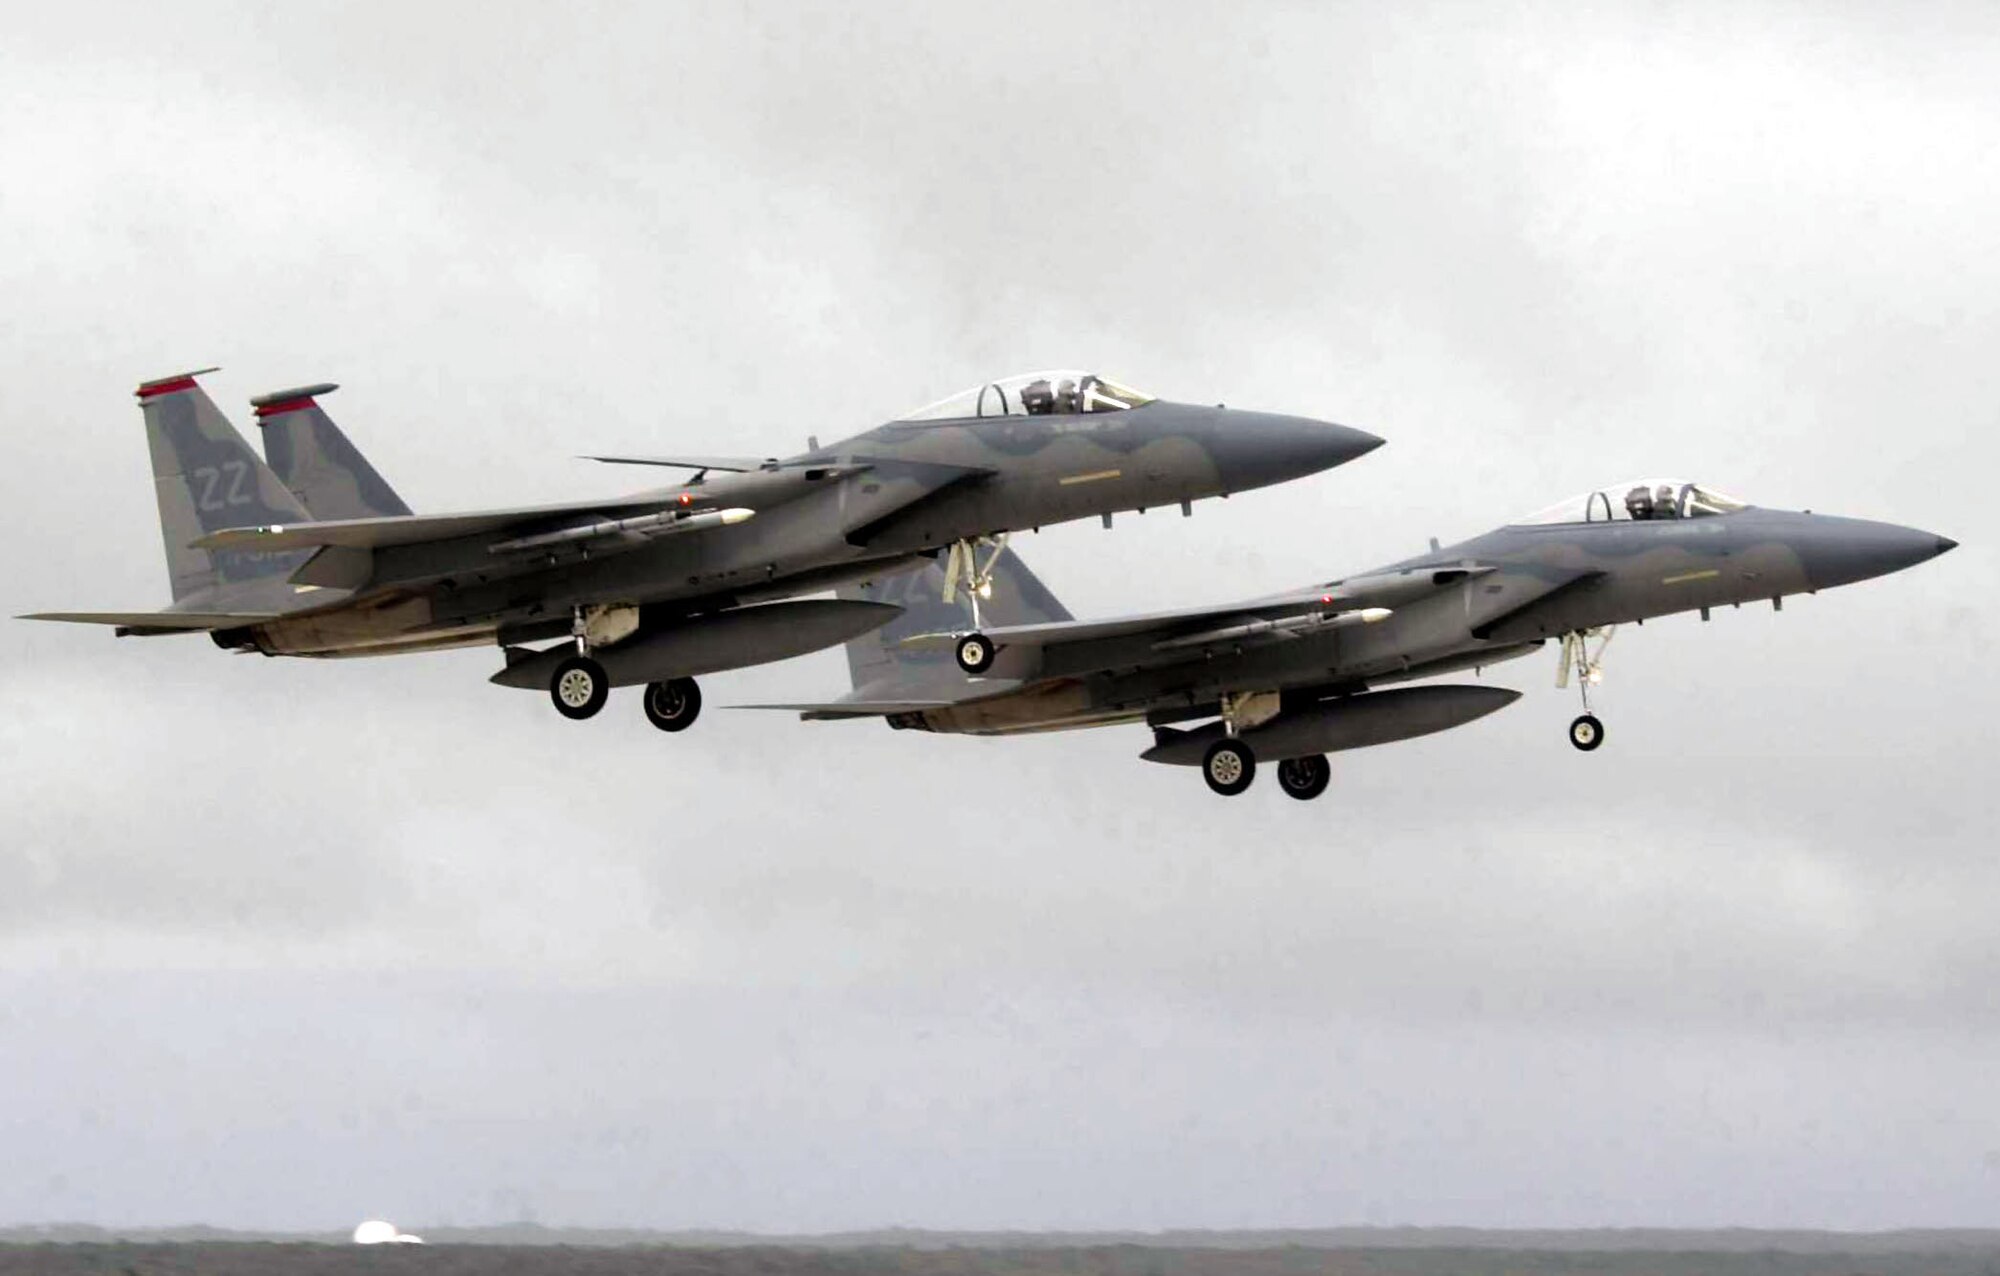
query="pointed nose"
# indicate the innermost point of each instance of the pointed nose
(1843, 550)
(1255, 449)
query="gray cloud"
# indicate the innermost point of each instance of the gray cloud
(374, 936)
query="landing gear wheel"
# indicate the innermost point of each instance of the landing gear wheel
(1229, 766)
(579, 687)
(1305, 778)
(673, 705)
(1586, 733)
(975, 653)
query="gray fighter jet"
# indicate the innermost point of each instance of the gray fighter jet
(1292, 677)
(315, 555)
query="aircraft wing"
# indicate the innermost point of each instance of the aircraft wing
(157, 622)
(1172, 633)
(416, 529)
(1358, 596)
(730, 464)
(834, 710)
(1068, 648)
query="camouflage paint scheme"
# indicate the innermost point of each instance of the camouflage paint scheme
(1317, 652)
(315, 555)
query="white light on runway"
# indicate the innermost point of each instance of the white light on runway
(377, 1232)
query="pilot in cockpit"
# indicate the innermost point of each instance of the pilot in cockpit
(1664, 504)
(1036, 399)
(1066, 400)
(1639, 504)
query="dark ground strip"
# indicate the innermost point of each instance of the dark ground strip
(272, 1259)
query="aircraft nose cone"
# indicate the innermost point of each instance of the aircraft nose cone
(1851, 549)
(1253, 449)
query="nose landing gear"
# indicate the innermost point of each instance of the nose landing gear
(975, 651)
(1586, 732)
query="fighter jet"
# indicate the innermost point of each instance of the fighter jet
(319, 557)
(1292, 677)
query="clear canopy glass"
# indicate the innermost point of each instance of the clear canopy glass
(1060, 393)
(1640, 500)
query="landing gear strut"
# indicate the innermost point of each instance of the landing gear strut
(1305, 778)
(962, 570)
(673, 705)
(579, 686)
(1585, 732)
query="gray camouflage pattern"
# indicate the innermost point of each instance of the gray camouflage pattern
(1490, 599)
(315, 555)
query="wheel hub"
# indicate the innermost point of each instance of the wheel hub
(575, 688)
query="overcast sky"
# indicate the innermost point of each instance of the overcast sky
(289, 943)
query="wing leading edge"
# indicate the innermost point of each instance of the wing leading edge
(147, 623)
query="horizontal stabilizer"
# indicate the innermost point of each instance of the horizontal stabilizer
(156, 622)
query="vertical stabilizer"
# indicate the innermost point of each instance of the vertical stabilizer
(206, 478)
(317, 462)
(878, 664)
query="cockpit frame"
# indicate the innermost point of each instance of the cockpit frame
(1636, 501)
(1060, 392)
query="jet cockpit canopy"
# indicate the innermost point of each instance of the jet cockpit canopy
(1059, 393)
(1639, 500)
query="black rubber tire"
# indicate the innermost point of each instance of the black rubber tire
(672, 705)
(579, 687)
(974, 653)
(1235, 761)
(1305, 778)
(1586, 733)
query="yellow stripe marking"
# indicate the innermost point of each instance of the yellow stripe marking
(1092, 477)
(1685, 577)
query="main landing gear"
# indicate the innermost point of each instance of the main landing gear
(1585, 732)
(673, 705)
(580, 686)
(975, 651)
(1305, 778)
(1230, 765)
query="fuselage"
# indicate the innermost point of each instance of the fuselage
(857, 508)
(1502, 594)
